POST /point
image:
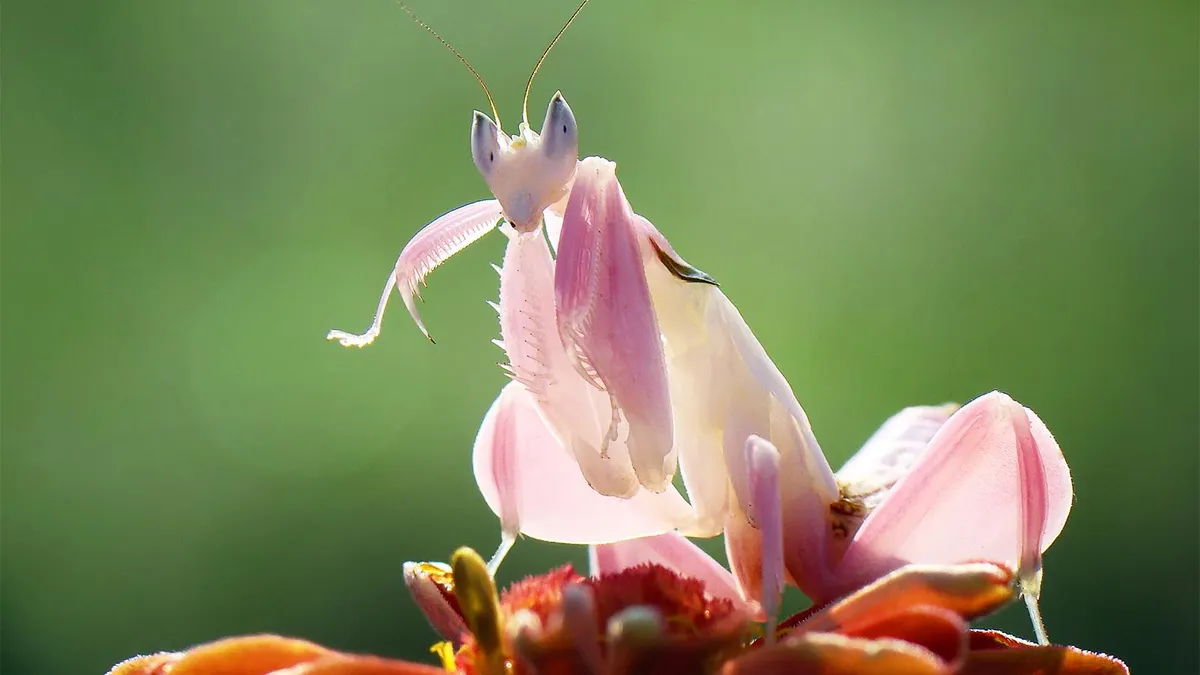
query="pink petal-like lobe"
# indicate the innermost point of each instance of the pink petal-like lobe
(607, 321)
(973, 495)
(892, 451)
(577, 413)
(553, 501)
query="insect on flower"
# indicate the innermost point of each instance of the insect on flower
(629, 364)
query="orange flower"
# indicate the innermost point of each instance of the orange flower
(263, 654)
(914, 622)
(651, 619)
(643, 619)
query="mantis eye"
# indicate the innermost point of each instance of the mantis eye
(485, 142)
(559, 140)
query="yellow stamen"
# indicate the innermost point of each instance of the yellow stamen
(476, 595)
(445, 652)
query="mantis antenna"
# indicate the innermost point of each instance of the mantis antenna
(495, 113)
(529, 84)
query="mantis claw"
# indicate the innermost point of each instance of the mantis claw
(433, 245)
(352, 340)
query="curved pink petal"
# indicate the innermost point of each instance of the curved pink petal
(430, 247)
(607, 321)
(432, 588)
(551, 499)
(992, 484)
(887, 456)
(671, 550)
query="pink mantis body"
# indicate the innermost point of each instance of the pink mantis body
(628, 364)
(623, 450)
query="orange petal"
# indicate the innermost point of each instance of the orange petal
(350, 664)
(153, 664)
(247, 655)
(995, 653)
(830, 654)
(969, 590)
(938, 630)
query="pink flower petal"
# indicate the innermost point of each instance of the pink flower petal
(607, 321)
(975, 494)
(431, 586)
(552, 500)
(671, 550)
(433, 245)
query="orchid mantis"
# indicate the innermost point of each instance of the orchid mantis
(628, 364)
(622, 449)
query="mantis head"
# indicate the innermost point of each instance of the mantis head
(529, 172)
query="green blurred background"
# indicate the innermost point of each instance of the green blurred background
(909, 202)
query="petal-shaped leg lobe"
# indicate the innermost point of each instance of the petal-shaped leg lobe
(607, 321)
(890, 453)
(971, 496)
(577, 413)
(553, 501)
